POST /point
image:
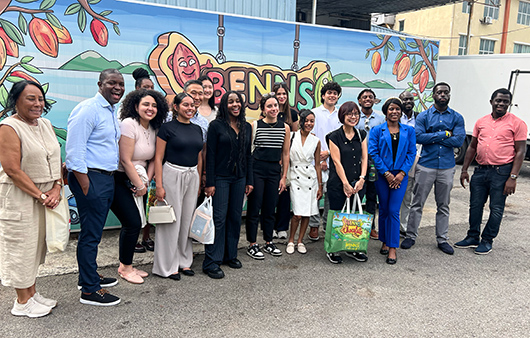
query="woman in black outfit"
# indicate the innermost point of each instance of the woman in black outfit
(348, 148)
(290, 117)
(228, 178)
(271, 146)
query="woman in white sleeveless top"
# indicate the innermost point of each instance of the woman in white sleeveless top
(306, 178)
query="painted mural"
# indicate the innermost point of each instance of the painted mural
(64, 44)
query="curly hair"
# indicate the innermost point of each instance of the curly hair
(15, 92)
(130, 104)
(224, 115)
(330, 86)
(304, 113)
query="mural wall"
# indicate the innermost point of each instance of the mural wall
(64, 44)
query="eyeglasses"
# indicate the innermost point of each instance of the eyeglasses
(352, 114)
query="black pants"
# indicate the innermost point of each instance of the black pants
(371, 197)
(264, 197)
(124, 207)
(283, 211)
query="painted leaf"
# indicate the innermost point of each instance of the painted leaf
(72, 9)
(380, 37)
(428, 52)
(45, 87)
(3, 95)
(413, 45)
(417, 68)
(14, 79)
(425, 43)
(400, 54)
(22, 23)
(390, 45)
(12, 31)
(402, 44)
(430, 85)
(402, 38)
(116, 29)
(31, 69)
(46, 4)
(410, 84)
(50, 101)
(367, 55)
(105, 13)
(93, 2)
(373, 43)
(26, 59)
(435, 57)
(26, 1)
(53, 20)
(413, 61)
(385, 52)
(81, 20)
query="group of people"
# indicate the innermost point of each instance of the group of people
(284, 160)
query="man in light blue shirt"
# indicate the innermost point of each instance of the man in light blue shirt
(92, 156)
(439, 130)
(369, 119)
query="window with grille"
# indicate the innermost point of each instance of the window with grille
(491, 9)
(462, 45)
(465, 7)
(486, 46)
(523, 16)
(520, 48)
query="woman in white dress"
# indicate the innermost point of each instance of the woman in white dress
(306, 179)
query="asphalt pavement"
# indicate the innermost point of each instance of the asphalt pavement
(426, 294)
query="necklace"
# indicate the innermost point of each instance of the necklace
(395, 136)
(272, 125)
(147, 134)
(24, 120)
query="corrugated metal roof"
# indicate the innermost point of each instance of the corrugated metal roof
(348, 7)
(270, 9)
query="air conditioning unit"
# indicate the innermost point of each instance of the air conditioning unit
(487, 20)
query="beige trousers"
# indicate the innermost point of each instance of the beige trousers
(173, 249)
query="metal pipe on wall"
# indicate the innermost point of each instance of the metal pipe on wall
(314, 13)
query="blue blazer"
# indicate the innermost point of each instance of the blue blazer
(380, 148)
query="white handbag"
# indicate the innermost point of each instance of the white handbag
(161, 214)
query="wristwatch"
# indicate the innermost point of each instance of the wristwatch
(513, 176)
(363, 177)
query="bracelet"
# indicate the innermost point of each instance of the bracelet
(140, 189)
(59, 183)
(386, 173)
(362, 177)
(447, 133)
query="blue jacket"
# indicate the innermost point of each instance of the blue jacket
(380, 148)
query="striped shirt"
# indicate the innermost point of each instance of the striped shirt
(269, 141)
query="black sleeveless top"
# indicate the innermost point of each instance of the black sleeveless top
(269, 141)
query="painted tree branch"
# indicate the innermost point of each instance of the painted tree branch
(419, 98)
(385, 40)
(26, 10)
(421, 52)
(86, 6)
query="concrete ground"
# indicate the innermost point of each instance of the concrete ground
(426, 294)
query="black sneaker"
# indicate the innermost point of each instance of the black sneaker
(254, 252)
(104, 282)
(334, 258)
(272, 249)
(358, 256)
(99, 298)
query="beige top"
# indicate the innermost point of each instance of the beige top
(144, 146)
(40, 152)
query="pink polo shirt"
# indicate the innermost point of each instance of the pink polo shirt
(496, 138)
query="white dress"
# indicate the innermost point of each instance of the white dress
(303, 176)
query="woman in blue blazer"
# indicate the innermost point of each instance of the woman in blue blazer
(393, 148)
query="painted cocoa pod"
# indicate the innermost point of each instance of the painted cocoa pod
(24, 76)
(11, 46)
(424, 79)
(44, 37)
(63, 35)
(416, 78)
(403, 68)
(99, 32)
(395, 67)
(376, 62)
(3, 54)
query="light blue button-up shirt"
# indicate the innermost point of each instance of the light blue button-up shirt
(367, 123)
(93, 135)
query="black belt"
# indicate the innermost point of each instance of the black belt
(104, 172)
(490, 166)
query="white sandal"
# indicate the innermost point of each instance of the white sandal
(290, 248)
(301, 248)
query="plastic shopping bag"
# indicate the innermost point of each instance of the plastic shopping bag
(348, 230)
(202, 228)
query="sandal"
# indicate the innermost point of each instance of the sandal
(140, 273)
(131, 277)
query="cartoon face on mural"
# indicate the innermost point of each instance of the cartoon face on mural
(184, 64)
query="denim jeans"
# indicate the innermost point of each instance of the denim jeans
(227, 208)
(487, 182)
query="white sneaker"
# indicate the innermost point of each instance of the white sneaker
(282, 234)
(290, 248)
(32, 309)
(51, 303)
(274, 234)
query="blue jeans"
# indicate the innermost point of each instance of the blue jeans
(227, 208)
(93, 210)
(487, 182)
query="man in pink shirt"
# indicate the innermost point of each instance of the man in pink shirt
(499, 142)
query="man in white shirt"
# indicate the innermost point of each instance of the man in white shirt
(326, 120)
